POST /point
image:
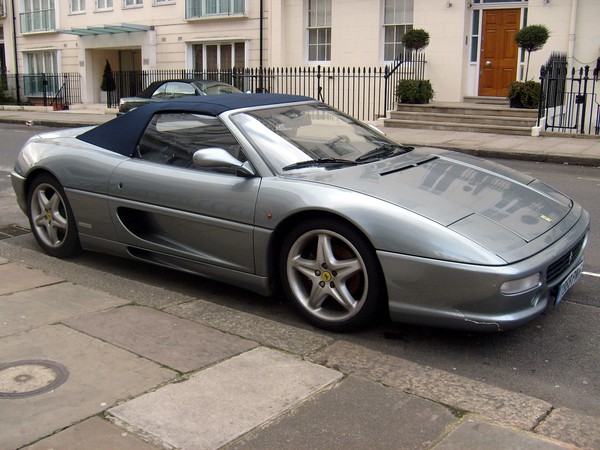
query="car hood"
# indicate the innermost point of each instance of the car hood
(493, 205)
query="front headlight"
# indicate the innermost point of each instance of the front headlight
(521, 285)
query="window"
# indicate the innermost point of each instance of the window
(319, 30)
(173, 138)
(397, 20)
(215, 56)
(41, 62)
(37, 15)
(212, 8)
(163, 2)
(130, 3)
(77, 6)
(104, 5)
(41, 75)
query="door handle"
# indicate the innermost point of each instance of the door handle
(488, 63)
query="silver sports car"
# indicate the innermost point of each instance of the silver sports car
(267, 191)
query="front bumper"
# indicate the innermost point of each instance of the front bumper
(18, 184)
(463, 296)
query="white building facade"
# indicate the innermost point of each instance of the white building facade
(471, 51)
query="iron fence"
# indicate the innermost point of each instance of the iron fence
(569, 101)
(363, 92)
(48, 89)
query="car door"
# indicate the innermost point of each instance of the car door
(164, 205)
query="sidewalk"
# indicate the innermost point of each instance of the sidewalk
(556, 149)
(114, 364)
(90, 360)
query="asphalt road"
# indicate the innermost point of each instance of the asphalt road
(555, 357)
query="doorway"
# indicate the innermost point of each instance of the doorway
(499, 52)
(130, 60)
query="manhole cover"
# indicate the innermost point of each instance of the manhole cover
(8, 231)
(28, 378)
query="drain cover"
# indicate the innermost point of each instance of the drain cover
(8, 231)
(28, 378)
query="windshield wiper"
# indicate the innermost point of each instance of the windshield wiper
(385, 151)
(320, 162)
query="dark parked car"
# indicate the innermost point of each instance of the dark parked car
(268, 190)
(170, 89)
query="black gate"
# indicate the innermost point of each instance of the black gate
(569, 102)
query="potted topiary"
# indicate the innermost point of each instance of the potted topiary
(414, 91)
(526, 94)
(416, 39)
(108, 84)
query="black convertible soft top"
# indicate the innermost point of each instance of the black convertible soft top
(122, 134)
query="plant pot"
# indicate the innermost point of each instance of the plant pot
(517, 103)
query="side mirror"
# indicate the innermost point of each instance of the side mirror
(219, 158)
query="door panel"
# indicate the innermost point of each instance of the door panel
(203, 216)
(499, 51)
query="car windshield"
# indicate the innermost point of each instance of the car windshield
(313, 136)
(217, 88)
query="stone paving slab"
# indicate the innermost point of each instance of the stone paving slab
(219, 404)
(568, 426)
(17, 278)
(492, 402)
(267, 332)
(28, 309)
(356, 414)
(99, 375)
(475, 434)
(161, 337)
(92, 434)
(4, 261)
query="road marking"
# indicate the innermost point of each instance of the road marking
(591, 274)
(588, 179)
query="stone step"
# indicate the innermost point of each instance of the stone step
(452, 126)
(466, 119)
(474, 110)
(487, 100)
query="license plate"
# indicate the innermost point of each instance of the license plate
(568, 283)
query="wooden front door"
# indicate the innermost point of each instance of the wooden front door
(498, 59)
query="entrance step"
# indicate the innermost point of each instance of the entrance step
(487, 100)
(92, 108)
(497, 119)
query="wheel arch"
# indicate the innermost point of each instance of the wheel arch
(286, 225)
(33, 175)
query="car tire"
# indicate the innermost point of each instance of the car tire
(51, 218)
(331, 274)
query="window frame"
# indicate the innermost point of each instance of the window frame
(399, 28)
(238, 53)
(40, 62)
(80, 9)
(134, 4)
(42, 11)
(318, 26)
(208, 9)
(169, 156)
(106, 6)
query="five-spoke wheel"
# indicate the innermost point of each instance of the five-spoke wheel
(332, 274)
(51, 219)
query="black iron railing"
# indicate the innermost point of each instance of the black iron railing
(363, 92)
(47, 89)
(570, 102)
